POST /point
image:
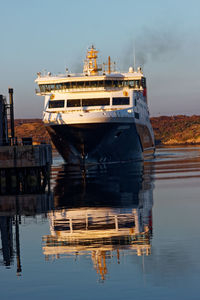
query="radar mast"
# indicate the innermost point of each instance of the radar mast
(90, 64)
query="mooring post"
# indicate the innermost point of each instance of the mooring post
(12, 125)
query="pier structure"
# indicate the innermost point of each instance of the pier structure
(24, 167)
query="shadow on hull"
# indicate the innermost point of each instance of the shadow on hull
(101, 142)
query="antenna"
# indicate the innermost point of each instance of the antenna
(134, 59)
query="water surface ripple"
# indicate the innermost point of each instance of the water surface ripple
(118, 231)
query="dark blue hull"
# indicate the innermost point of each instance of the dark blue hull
(101, 142)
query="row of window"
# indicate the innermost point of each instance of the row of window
(89, 102)
(93, 84)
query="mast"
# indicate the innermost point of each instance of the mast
(109, 65)
(91, 66)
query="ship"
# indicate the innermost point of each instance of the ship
(98, 116)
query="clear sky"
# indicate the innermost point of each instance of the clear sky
(52, 35)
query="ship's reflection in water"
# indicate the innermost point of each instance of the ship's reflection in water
(102, 212)
(14, 210)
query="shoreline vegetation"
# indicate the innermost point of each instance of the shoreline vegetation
(168, 130)
(176, 130)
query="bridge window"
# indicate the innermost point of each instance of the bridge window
(121, 101)
(56, 103)
(143, 82)
(108, 83)
(42, 88)
(113, 83)
(80, 84)
(131, 83)
(66, 85)
(137, 83)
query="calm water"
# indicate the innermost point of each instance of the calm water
(128, 231)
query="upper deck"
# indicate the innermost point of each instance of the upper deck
(93, 78)
(73, 83)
